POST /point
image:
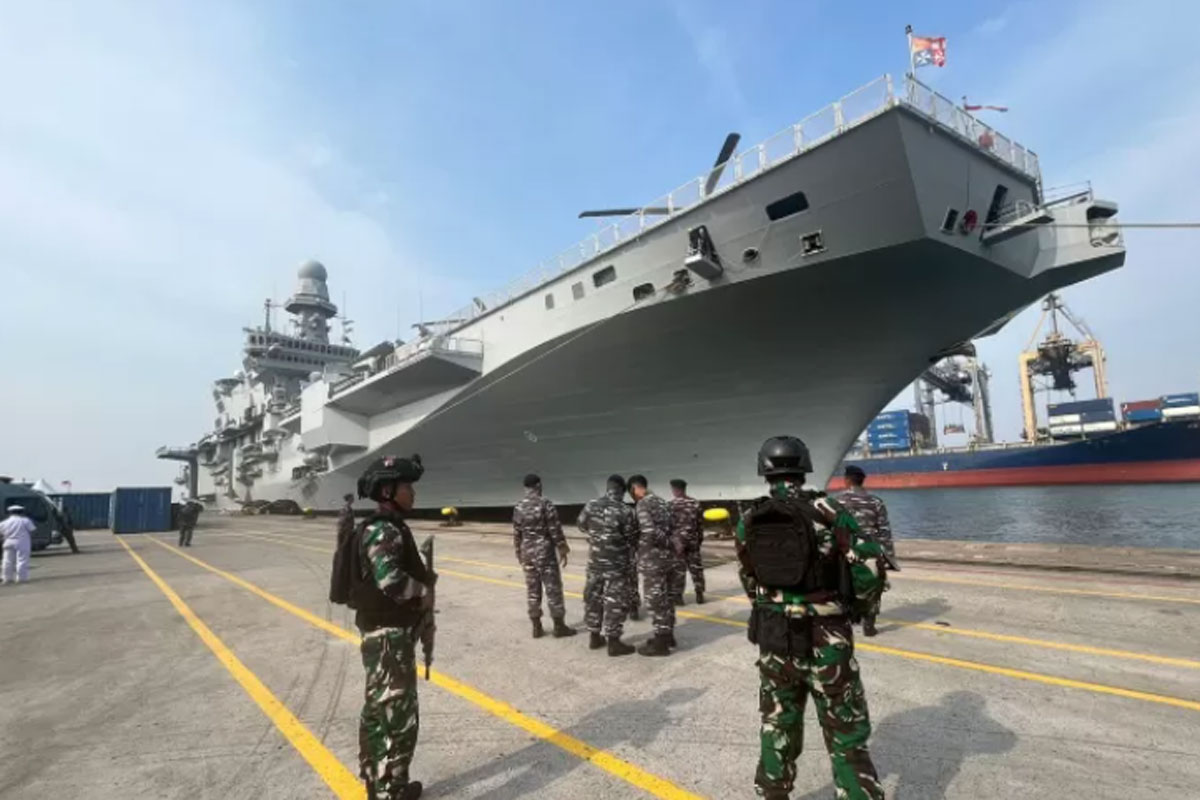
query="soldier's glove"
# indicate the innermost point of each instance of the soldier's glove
(563, 549)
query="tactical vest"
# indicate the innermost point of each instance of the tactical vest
(352, 584)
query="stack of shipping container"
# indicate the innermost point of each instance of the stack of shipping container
(1081, 417)
(1181, 406)
(1142, 412)
(897, 431)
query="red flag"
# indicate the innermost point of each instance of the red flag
(929, 51)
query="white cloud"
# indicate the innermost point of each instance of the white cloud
(149, 200)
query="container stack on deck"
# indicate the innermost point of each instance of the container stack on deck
(894, 431)
(1181, 406)
(1080, 417)
(1142, 412)
(140, 509)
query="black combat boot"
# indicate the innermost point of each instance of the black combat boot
(869, 626)
(411, 792)
(561, 629)
(678, 600)
(635, 615)
(618, 648)
(655, 646)
(538, 630)
(670, 639)
(776, 794)
(699, 597)
(595, 641)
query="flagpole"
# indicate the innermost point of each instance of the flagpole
(912, 64)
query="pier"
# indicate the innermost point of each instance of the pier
(139, 670)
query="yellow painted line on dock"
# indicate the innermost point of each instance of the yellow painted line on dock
(951, 631)
(343, 782)
(630, 773)
(909, 577)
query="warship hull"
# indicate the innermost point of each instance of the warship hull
(812, 321)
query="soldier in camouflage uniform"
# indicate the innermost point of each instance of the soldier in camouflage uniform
(872, 517)
(688, 527)
(394, 596)
(541, 547)
(658, 552)
(806, 643)
(611, 530)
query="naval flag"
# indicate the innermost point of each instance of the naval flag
(928, 51)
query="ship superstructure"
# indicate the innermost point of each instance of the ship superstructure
(675, 340)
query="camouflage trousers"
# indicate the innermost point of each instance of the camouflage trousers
(541, 572)
(658, 569)
(185, 534)
(387, 732)
(689, 562)
(605, 601)
(830, 674)
(635, 597)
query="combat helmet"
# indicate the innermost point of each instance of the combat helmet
(386, 471)
(781, 456)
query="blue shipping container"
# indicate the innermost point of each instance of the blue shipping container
(897, 440)
(891, 446)
(140, 509)
(1144, 415)
(897, 414)
(88, 510)
(1176, 400)
(1098, 416)
(1079, 406)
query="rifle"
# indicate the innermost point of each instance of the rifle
(427, 627)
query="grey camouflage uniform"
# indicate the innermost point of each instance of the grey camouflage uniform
(537, 535)
(657, 559)
(687, 526)
(612, 533)
(871, 515)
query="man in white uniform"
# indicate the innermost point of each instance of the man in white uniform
(16, 531)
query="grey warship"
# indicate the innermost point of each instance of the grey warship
(685, 332)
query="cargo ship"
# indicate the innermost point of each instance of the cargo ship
(1157, 441)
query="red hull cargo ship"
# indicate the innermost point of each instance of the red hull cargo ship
(1154, 446)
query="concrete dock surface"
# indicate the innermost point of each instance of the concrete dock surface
(138, 670)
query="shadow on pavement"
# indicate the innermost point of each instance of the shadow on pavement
(913, 612)
(926, 747)
(531, 769)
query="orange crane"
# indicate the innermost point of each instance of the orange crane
(1058, 357)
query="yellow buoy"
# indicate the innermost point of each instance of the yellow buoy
(716, 515)
(449, 511)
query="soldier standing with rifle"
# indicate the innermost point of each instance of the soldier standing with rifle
(807, 571)
(392, 590)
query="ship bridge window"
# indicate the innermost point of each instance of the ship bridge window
(606, 275)
(550, 301)
(642, 291)
(577, 291)
(786, 206)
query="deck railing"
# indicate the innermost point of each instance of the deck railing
(814, 130)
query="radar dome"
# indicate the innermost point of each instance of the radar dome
(313, 270)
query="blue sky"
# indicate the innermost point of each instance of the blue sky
(165, 167)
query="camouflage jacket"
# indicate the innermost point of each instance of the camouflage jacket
(389, 553)
(612, 533)
(686, 521)
(871, 515)
(654, 525)
(537, 531)
(863, 556)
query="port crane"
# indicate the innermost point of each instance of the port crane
(1058, 357)
(960, 379)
